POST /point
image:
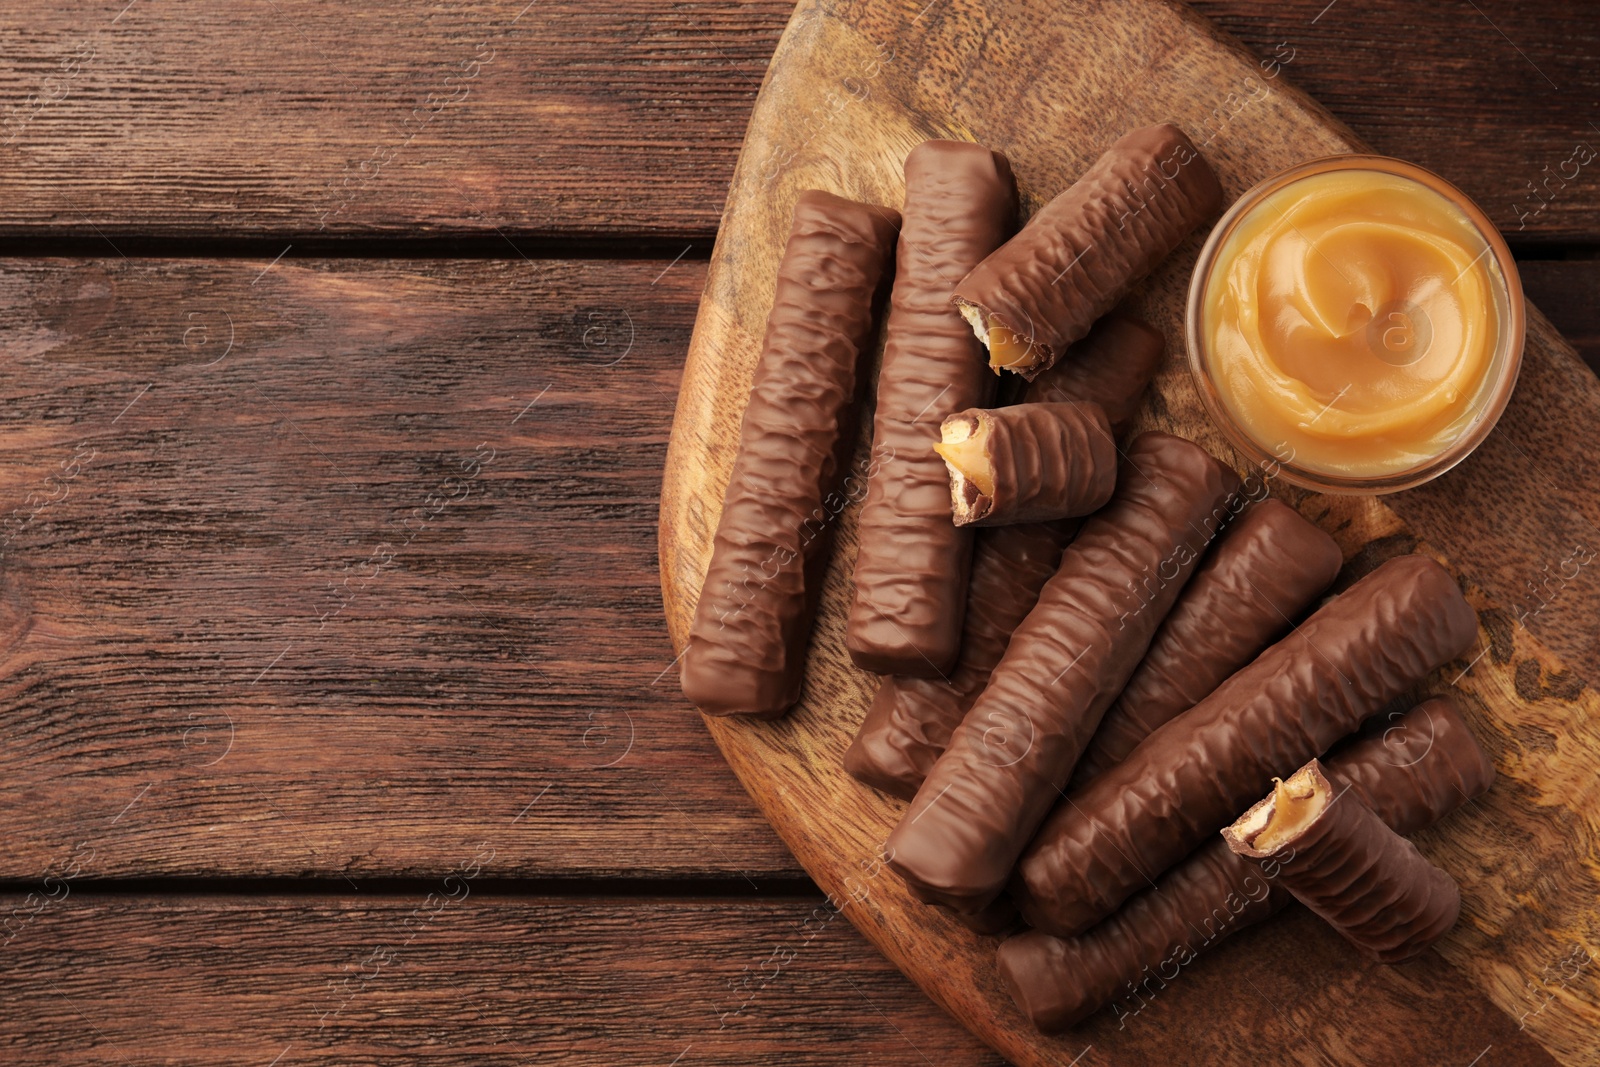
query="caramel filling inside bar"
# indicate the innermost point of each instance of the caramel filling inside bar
(965, 450)
(1294, 804)
(1008, 349)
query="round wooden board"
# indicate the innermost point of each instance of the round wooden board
(851, 89)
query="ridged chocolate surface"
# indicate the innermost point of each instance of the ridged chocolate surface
(1420, 767)
(1191, 776)
(1413, 768)
(1009, 758)
(911, 569)
(1049, 461)
(747, 643)
(1365, 880)
(911, 719)
(1058, 982)
(1110, 367)
(1266, 570)
(1084, 250)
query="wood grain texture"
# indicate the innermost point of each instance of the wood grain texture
(1488, 93)
(1009, 75)
(260, 616)
(1564, 289)
(292, 120)
(452, 976)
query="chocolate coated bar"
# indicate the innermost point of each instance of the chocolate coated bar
(1058, 982)
(1084, 250)
(1009, 758)
(1187, 779)
(746, 652)
(911, 719)
(1265, 571)
(1339, 859)
(1412, 768)
(1416, 769)
(912, 566)
(1028, 463)
(999, 918)
(1110, 367)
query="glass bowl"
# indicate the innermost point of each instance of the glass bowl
(1494, 392)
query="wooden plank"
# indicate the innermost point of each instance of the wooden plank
(1493, 94)
(1522, 856)
(291, 121)
(325, 567)
(1564, 289)
(452, 976)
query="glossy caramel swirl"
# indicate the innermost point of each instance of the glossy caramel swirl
(1351, 322)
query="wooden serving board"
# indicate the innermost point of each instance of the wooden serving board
(852, 88)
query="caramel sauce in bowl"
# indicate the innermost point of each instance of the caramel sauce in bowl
(1355, 325)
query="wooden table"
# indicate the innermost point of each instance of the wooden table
(342, 346)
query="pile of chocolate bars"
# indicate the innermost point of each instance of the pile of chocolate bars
(1098, 655)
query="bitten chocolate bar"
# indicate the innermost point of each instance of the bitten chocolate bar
(1186, 780)
(911, 719)
(746, 652)
(1339, 859)
(1028, 463)
(912, 566)
(1015, 749)
(1265, 571)
(1084, 250)
(1412, 770)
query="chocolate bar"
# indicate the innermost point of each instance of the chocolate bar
(1009, 758)
(999, 918)
(1413, 767)
(1266, 570)
(746, 651)
(1416, 769)
(912, 566)
(1084, 250)
(1110, 367)
(1186, 780)
(1028, 463)
(911, 719)
(1339, 859)
(1058, 982)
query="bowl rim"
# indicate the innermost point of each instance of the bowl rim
(1508, 349)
